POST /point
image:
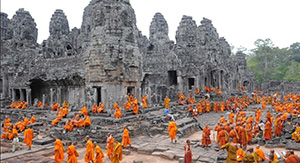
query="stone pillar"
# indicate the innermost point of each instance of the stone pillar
(197, 83)
(44, 100)
(77, 96)
(104, 97)
(180, 84)
(51, 96)
(58, 92)
(5, 85)
(21, 95)
(95, 96)
(13, 91)
(28, 97)
(220, 78)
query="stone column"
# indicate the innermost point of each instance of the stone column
(51, 96)
(197, 83)
(28, 97)
(77, 96)
(95, 96)
(13, 91)
(44, 100)
(21, 95)
(180, 84)
(104, 97)
(58, 92)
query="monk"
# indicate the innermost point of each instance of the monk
(172, 130)
(69, 125)
(58, 151)
(218, 128)
(233, 135)
(135, 108)
(72, 153)
(144, 101)
(231, 116)
(260, 154)
(95, 108)
(296, 133)
(87, 121)
(250, 158)
(291, 157)
(28, 133)
(231, 152)
(243, 135)
(109, 145)
(222, 119)
(65, 104)
(99, 154)
(89, 155)
(272, 157)
(188, 156)
(222, 137)
(26, 121)
(197, 91)
(117, 153)
(167, 102)
(84, 110)
(206, 136)
(56, 120)
(116, 105)
(40, 104)
(268, 130)
(118, 113)
(32, 119)
(100, 108)
(126, 139)
(240, 154)
(25, 105)
(55, 106)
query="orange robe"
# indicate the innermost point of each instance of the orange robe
(268, 130)
(126, 139)
(69, 126)
(87, 121)
(292, 159)
(222, 137)
(25, 105)
(172, 130)
(32, 120)
(58, 151)
(26, 122)
(197, 91)
(40, 104)
(240, 154)
(55, 106)
(115, 106)
(135, 108)
(234, 135)
(28, 133)
(101, 108)
(230, 118)
(95, 108)
(99, 155)
(144, 101)
(206, 136)
(89, 155)
(167, 103)
(261, 155)
(118, 113)
(109, 146)
(243, 136)
(72, 154)
(84, 111)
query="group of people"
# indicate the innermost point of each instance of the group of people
(94, 152)
(19, 104)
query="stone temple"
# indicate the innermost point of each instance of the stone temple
(108, 57)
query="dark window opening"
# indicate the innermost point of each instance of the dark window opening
(98, 95)
(130, 90)
(151, 47)
(172, 77)
(18, 95)
(37, 87)
(69, 47)
(191, 83)
(205, 81)
(1, 84)
(24, 94)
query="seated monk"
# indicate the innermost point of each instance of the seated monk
(219, 92)
(55, 106)
(56, 120)
(87, 121)
(197, 91)
(25, 105)
(127, 106)
(100, 108)
(118, 113)
(260, 154)
(95, 108)
(291, 157)
(65, 104)
(26, 121)
(69, 125)
(135, 108)
(77, 121)
(144, 101)
(40, 104)
(296, 134)
(84, 110)
(32, 119)
(65, 111)
(240, 154)
(116, 105)
(13, 134)
(12, 105)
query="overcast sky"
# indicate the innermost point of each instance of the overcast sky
(241, 22)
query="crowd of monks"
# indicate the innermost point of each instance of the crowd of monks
(94, 152)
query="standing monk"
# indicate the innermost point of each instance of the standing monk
(188, 156)
(222, 137)
(72, 153)
(117, 153)
(126, 139)
(268, 130)
(109, 145)
(144, 101)
(99, 154)
(28, 133)
(172, 130)
(58, 151)
(206, 136)
(167, 102)
(89, 155)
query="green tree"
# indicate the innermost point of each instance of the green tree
(293, 73)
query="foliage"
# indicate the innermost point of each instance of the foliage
(270, 63)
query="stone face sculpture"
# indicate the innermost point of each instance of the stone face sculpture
(109, 57)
